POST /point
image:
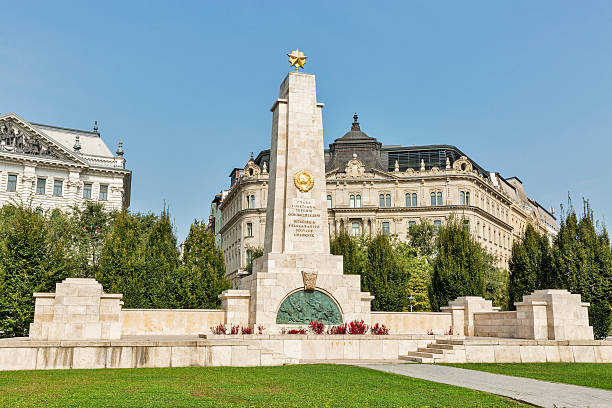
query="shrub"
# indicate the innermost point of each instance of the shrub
(219, 329)
(379, 330)
(246, 330)
(317, 327)
(600, 316)
(357, 327)
(340, 329)
(235, 329)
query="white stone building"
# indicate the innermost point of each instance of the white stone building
(373, 189)
(48, 167)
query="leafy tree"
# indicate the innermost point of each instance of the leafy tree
(582, 263)
(420, 271)
(122, 262)
(459, 267)
(33, 257)
(530, 265)
(422, 237)
(256, 252)
(203, 270)
(91, 225)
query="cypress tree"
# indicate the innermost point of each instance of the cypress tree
(347, 246)
(530, 265)
(33, 257)
(91, 224)
(122, 262)
(203, 270)
(459, 267)
(161, 265)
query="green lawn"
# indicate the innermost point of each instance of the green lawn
(288, 386)
(587, 374)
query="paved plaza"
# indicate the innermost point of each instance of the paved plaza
(536, 392)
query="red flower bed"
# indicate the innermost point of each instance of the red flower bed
(340, 329)
(219, 329)
(317, 327)
(235, 329)
(246, 330)
(260, 329)
(293, 331)
(379, 330)
(357, 327)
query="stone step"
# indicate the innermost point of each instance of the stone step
(413, 359)
(445, 346)
(449, 341)
(422, 354)
(435, 350)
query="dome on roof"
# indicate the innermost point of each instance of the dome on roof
(355, 133)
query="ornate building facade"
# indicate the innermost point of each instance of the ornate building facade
(376, 189)
(48, 167)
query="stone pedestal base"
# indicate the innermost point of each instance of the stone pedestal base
(277, 276)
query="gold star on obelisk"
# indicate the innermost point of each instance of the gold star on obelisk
(297, 59)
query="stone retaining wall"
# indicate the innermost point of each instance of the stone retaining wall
(495, 324)
(413, 322)
(141, 322)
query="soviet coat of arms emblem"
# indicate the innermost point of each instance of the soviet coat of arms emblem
(303, 180)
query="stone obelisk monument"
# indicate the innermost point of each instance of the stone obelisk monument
(297, 279)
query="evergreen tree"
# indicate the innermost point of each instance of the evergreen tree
(459, 267)
(92, 224)
(582, 263)
(530, 265)
(161, 265)
(420, 271)
(122, 262)
(32, 259)
(385, 277)
(203, 270)
(422, 237)
(347, 246)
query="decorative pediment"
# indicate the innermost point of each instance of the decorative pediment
(251, 169)
(17, 136)
(354, 168)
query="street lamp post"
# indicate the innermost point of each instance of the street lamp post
(411, 299)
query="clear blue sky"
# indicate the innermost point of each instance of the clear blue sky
(523, 87)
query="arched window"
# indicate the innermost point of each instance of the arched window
(408, 202)
(462, 197)
(433, 198)
(358, 201)
(329, 201)
(388, 200)
(381, 199)
(467, 198)
(414, 200)
(248, 201)
(252, 201)
(352, 201)
(440, 198)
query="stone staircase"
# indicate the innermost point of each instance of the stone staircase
(442, 351)
(270, 357)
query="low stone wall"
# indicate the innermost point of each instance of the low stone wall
(537, 351)
(413, 322)
(495, 324)
(142, 322)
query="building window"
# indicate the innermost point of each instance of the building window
(462, 197)
(41, 185)
(381, 199)
(87, 190)
(329, 201)
(466, 224)
(467, 198)
(352, 201)
(248, 201)
(253, 201)
(249, 229)
(57, 188)
(414, 200)
(358, 201)
(388, 200)
(385, 228)
(12, 183)
(249, 256)
(437, 224)
(440, 198)
(355, 229)
(433, 198)
(103, 192)
(408, 200)
(411, 224)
